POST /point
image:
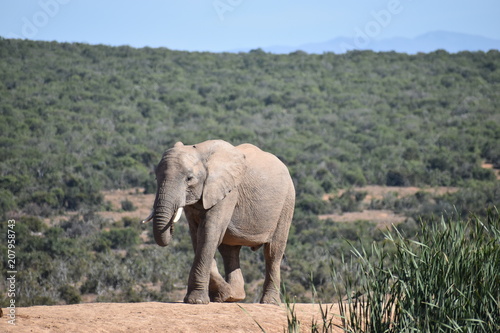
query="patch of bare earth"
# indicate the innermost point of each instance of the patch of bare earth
(377, 192)
(163, 317)
(143, 204)
(491, 167)
(383, 218)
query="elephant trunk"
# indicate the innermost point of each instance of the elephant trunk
(165, 214)
(162, 230)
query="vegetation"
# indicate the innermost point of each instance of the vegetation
(128, 205)
(77, 119)
(88, 258)
(445, 280)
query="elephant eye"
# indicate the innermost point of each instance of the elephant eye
(189, 178)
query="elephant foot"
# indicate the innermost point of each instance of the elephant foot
(225, 293)
(236, 297)
(197, 297)
(271, 298)
(237, 294)
(219, 297)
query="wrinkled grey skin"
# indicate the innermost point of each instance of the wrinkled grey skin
(232, 197)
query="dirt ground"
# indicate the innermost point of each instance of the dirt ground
(163, 317)
(383, 218)
(377, 192)
(142, 202)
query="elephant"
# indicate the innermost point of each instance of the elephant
(232, 196)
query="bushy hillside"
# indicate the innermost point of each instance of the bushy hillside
(77, 119)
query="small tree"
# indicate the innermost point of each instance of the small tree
(128, 205)
(70, 294)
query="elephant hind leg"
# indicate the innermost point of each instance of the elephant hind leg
(274, 252)
(234, 276)
(218, 288)
(231, 289)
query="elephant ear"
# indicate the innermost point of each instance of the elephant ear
(225, 168)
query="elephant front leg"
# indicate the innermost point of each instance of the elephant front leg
(218, 289)
(208, 237)
(199, 276)
(199, 280)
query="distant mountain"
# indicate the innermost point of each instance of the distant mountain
(429, 42)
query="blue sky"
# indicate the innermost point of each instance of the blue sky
(218, 25)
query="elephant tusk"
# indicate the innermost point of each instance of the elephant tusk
(178, 215)
(149, 218)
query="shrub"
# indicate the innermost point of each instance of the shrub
(101, 244)
(7, 201)
(120, 238)
(349, 201)
(128, 206)
(395, 178)
(149, 186)
(70, 294)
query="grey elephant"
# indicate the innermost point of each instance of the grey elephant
(232, 197)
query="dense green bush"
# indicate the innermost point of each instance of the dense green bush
(70, 294)
(121, 238)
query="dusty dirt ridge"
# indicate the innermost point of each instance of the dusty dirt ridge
(163, 317)
(375, 192)
(383, 218)
(142, 202)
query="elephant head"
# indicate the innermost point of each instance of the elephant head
(187, 175)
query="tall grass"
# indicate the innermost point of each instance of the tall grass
(446, 280)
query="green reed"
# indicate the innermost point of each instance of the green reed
(445, 280)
